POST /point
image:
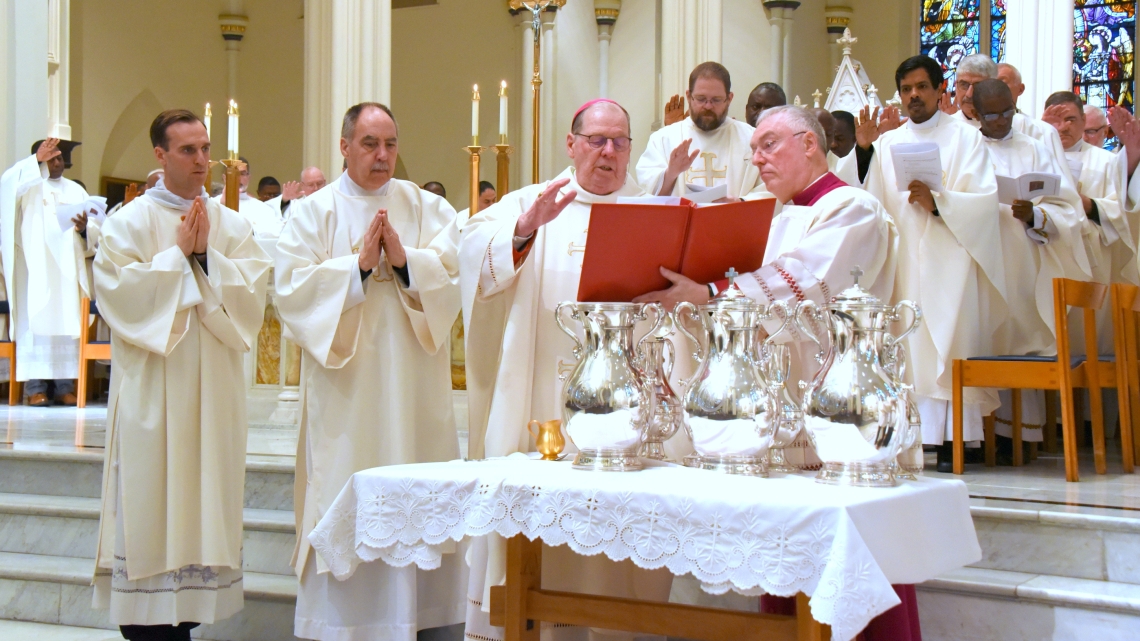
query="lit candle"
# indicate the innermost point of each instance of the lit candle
(206, 120)
(233, 129)
(503, 113)
(475, 116)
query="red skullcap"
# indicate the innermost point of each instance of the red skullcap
(588, 105)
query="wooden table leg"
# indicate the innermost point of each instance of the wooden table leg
(808, 628)
(524, 573)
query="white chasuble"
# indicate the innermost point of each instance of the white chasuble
(1039, 130)
(170, 545)
(515, 353)
(725, 158)
(1111, 244)
(266, 219)
(46, 270)
(950, 264)
(375, 389)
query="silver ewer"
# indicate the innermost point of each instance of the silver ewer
(607, 403)
(730, 412)
(854, 409)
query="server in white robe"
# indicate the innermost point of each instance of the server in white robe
(266, 219)
(181, 282)
(367, 284)
(706, 149)
(827, 234)
(46, 269)
(520, 258)
(950, 260)
(312, 181)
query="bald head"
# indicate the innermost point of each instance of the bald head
(1009, 74)
(599, 146)
(598, 110)
(993, 102)
(312, 180)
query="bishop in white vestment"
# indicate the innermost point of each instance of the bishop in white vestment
(367, 284)
(181, 282)
(46, 269)
(521, 257)
(950, 258)
(706, 149)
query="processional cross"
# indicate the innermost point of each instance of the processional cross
(708, 173)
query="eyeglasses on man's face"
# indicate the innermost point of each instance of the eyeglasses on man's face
(621, 143)
(994, 117)
(705, 100)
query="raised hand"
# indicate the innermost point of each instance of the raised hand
(679, 162)
(946, 104)
(675, 110)
(391, 241)
(291, 190)
(1127, 129)
(47, 150)
(1054, 116)
(890, 120)
(545, 208)
(369, 257)
(867, 127)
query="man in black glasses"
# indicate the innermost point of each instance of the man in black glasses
(707, 149)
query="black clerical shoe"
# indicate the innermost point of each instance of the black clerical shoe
(945, 454)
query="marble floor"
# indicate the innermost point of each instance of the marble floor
(1041, 482)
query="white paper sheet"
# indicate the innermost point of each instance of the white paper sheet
(1027, 187)
(701, 194)
(919, 161)
(95, 207)
(649, 200)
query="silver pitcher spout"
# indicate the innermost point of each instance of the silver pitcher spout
(854, 408)
(607, 403)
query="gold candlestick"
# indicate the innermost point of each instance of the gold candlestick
(502, 169)
(233, 182)
(474, 150)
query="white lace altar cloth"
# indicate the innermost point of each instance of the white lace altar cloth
(841, 546)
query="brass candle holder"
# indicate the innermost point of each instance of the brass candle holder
(233, 182)
(474, 151)
(502, 168)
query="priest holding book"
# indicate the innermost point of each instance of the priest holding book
(519, 258)
(707, 149)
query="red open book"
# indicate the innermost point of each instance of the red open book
(627, 244)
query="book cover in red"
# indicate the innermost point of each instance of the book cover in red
(626, 244)
(728, 235)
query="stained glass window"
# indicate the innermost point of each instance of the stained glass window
(954, 29)
(1103, 35)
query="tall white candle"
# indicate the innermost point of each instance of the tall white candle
(233, 129)
(475, 115)
(206, 120)
(503, 113)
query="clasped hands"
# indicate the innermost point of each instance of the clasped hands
(381, 237)
(194, 230)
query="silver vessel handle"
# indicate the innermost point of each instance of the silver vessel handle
(787, 318)
(810, 307)
(896, 316)
(660, 311)
(698, 353)
(562, 326)
(670, 356)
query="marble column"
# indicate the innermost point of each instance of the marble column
(1033, 30)
(23, 58)
(691, 33)
(780, 15)
(546, 133)
(606, 14)
(348, 60)
(233, 27)
(59, 45)
(526, 93)
(837, 19)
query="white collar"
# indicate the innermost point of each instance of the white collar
(347, 186)
(1080, 146)
(1008, 136)
(929, 124)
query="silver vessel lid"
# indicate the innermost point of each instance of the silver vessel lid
(856, 298)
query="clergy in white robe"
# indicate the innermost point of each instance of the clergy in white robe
(706, 149)
(826, 234)
(520, 258)
(367, 284)
(46, 270)
(1041, 240)
(181, 282)
(266, 219)
(950, 259)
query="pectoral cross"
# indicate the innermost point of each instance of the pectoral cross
(709, 173)
(856, 273)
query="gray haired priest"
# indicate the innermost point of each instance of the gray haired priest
(367, 282)
(181, 282)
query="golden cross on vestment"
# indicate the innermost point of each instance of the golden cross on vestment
(708, 173)
(574, 248)
(565, 368)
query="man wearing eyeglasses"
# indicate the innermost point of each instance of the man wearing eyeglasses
(518, 259)
(707, 149)
(1096, 126)
(949, 242)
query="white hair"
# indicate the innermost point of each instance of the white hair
(1006, 65)
(1092, 111)
(799, 118)
(979, 64)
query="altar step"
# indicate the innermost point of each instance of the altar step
(26, 631)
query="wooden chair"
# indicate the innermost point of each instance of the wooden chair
(8, 351)
(1063, 373)
(89, 348)
(1125, 300)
